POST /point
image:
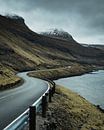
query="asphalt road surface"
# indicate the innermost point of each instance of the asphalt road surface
(14, 102)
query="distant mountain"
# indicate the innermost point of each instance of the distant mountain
(22, 49)
(59, 34)
(97, 46)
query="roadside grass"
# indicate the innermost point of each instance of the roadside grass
(72, 112)
(7, 77)
(75, 69)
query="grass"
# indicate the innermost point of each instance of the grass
(72, 112)
(7, 77)
(56, 73)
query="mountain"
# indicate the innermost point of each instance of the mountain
(59, 34)
(99, 46)
(22, 49)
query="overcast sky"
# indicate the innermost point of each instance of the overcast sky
(83, 19)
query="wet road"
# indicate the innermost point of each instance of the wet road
(15, 101)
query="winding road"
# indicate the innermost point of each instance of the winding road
(15, 101)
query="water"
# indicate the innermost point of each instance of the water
(89, 86)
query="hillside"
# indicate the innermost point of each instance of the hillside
(98, 46)
(23, 49)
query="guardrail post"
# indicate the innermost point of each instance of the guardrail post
(32, 118)
(47, 98)
(52, 91)
(44, 106)
(54, 87)
(50, 95)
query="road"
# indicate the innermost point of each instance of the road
(15, 101)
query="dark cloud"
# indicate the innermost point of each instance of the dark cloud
(83, 18)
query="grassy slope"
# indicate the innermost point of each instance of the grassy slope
(7, 78)
(56, 73)
(72, 112)
(20, 54)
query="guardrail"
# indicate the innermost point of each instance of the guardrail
(20, 122)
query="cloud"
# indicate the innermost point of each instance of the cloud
(84, 19)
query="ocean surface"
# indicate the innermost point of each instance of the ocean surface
(90, 86)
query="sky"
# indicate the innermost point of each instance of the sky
(83, 19)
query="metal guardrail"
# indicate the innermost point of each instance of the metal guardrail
(22, 120)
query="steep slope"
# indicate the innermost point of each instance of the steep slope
(22, 49)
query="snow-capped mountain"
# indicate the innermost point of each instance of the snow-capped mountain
(56, 33)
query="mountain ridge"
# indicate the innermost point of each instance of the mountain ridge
(23, 49)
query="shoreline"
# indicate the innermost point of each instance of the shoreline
(62, 72)
(80, 68)
(54, 74)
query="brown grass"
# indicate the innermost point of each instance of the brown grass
(56, 73)
(72, 112)
(7, 78)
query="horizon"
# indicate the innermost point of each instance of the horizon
(83, 20)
